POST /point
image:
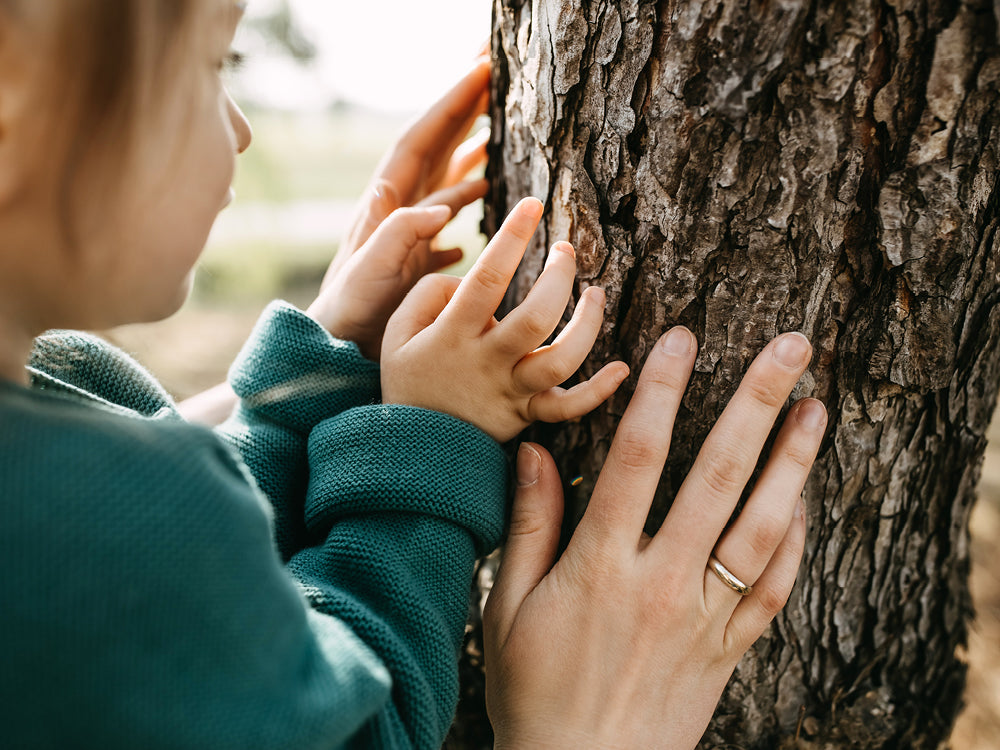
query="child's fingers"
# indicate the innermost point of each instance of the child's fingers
(438, 259)
(403, 230)
(419, 309)
(457, 196)
(470, 154)
(755, 611)
(377, 202)
(527, 326)
(553, 364)
(560, 404)
(483, 287)
(750, 542)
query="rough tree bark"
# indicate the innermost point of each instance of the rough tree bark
(747, 168)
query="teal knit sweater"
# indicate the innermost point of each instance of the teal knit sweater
(297, 578)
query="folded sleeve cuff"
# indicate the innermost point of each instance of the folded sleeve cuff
(292, 371)
(401, 458)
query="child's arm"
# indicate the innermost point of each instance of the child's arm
(445, 351)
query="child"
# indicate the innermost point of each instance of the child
(298, 577)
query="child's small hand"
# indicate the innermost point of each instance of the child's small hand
(445, 351)
(377, 264)
(356, 303)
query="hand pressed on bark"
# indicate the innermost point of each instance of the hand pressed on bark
(444, 350)
(627, 640)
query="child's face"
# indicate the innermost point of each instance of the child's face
(140, 251)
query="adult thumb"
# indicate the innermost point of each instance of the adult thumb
(533, 538)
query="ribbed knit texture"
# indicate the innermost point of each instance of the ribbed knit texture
(144, 601)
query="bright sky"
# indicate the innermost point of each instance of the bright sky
(394, 55)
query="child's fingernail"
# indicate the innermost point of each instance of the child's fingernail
(800, 510)
(677, 341)
(560, 247)
(598, 294)
(532, 207)
(529, 465)
(791, 349)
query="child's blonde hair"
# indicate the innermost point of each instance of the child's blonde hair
(108, 56)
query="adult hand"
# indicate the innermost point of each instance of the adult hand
(415, 191)
(628, 640)
(427, 164)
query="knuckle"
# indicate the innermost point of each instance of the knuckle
(771, 392)
(662, 376)
(765, 534)
(554, 369)
(635, 449)
(490, 277)
(772, 600)
(723, 472)
(800, 456)
(535, 323)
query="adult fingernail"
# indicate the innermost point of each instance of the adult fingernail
(791, 349)
(811, 414)
(677, 341)
(529, 465)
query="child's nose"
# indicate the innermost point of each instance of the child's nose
(241, 126)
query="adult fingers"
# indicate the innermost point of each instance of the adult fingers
(727, 458)
(532, 539)
(624, 490)
(419, 157)
(528, 325)
(457, 196)
(560, 405)
(754, 612)
(470, 154)
(553, 364)
(477, 299)
(749, 544)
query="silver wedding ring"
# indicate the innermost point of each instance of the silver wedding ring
(728, 578)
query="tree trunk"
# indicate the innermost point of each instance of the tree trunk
(748, 168)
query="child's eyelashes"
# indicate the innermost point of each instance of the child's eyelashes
(232, 62)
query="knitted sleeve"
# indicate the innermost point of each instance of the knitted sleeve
(144, 603)
(290, 375)
(146, 606)
(405, 499)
